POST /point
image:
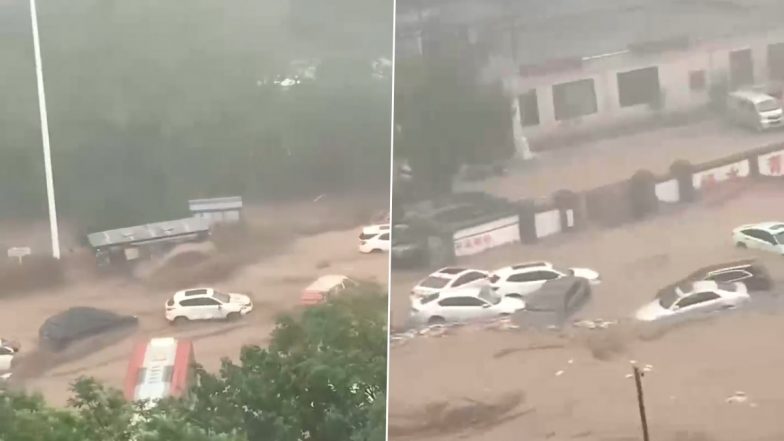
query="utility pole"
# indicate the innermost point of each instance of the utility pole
(55, 235)
(641, 402)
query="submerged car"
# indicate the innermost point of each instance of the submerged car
(206, 304)
(460, 305)
(554, 303)
(524, 278)
(325, 287)
(749, 272)
(693, 300)
(765, 236)
(448, 278)
(78, 323)
(374, 239)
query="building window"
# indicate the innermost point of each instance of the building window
(741, 68)
(697, 80)
(574, 99)
(529, 108)
(639, 86)
(776, 61)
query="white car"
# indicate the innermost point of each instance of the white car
(374, 239)
(693, 299)
(525, 278)
(206, 304)
(766, 236)
(461, 305)
(7, 355)
(447, 278)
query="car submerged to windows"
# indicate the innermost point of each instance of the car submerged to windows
(692, 300)
(462, 305)
(448, 278)
(764, 236)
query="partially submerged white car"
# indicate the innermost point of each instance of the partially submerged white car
(448, 278)
(765, 236)
(524, 278)
(693, 299)
(8, 351)
(206, 304)
(461, 305)
(374, 239)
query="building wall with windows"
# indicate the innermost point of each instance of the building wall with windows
(605, 90)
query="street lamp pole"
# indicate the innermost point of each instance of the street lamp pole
(45, 134)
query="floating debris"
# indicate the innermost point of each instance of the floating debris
(739, 397)
(595, 324)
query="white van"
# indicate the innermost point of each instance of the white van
(755, 110)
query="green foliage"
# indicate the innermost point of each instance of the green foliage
(322, 378)
(447, 119)
(152, 103)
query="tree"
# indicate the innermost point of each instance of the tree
(142, 122)
(322, 378)
(447, 119)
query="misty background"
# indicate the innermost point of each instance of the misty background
(155, 102)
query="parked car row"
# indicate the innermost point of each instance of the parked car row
(454, 294)
(539, 292)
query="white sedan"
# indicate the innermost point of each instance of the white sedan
(374, 239)
(462, 305)
(694, 299)
(765, 236)
(447, 278)
(523, 279)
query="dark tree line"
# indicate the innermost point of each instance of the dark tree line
(445, 117)
(152, 103)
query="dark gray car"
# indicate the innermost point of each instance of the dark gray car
(554, 303)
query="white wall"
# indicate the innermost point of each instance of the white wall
(674, 68)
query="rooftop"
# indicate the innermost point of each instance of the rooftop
(562, 29)
(149, 232)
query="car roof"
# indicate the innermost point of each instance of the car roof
(751, 95)
(193, 292)
(326, 282)
(450, 270)
(525, 266)
(771, 226)
(378, 228)
(704, 285)
(462, 291)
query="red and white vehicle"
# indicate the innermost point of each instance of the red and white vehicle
(159, 368)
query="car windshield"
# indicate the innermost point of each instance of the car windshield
(779, 237)
(489, 296)
(669, 297)
(767, 105)
(221, 297)
(434, 282)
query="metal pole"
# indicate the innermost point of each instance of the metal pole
(45, 134)
(641, 403)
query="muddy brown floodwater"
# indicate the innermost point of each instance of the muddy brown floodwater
(487, 385)
(275, 282)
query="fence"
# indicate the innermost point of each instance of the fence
(642, 195)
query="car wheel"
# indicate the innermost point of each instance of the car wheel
(180, 320)
(233, 316)
(740, 245)
(436, 320)
(504, 315)
(514, 296)
(376, 251)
